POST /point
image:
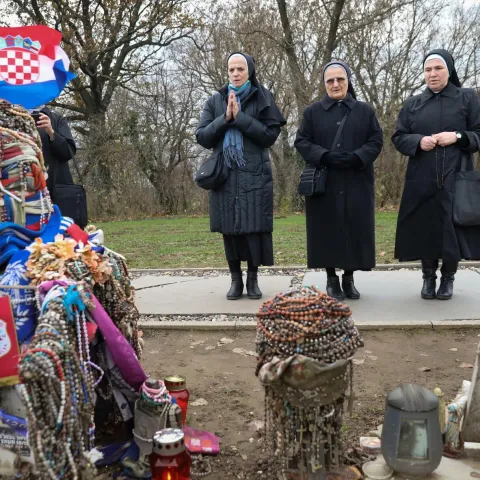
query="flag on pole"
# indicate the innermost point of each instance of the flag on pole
(33, 66)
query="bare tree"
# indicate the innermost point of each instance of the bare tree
(146, 69)
(161, 130)
(313, 32)
(387, 61)
(110, 43)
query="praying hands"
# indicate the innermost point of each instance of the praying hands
(232, 108)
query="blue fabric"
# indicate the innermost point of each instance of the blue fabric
(233, 141)
(73, 299)
(13, 236)
(65, 224)
(19, 425)
(114, 453)
(14, 240)
(23, 301)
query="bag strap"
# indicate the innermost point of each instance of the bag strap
(467, 155)
(339, 130)
(75, 163)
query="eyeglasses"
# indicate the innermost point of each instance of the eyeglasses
(339, 80)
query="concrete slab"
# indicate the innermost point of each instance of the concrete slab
(448, 469)
(394, 297)
(149, 281)
(203, 295)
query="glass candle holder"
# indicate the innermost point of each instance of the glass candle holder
(177, 387)
(170, 459)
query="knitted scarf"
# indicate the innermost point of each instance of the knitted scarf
(233, 141)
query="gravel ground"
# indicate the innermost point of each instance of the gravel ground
(298, 272)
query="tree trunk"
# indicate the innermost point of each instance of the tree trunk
(297, 76)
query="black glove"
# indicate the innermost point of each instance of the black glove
(341, 160)
(352, 160)
(332, 159)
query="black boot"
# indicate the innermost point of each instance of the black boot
(253, 291)
(445, 291)
(429, 269)
(236, 288)
(333, 288)
(349, 287)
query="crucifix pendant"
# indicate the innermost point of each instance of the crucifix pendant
(300, 431)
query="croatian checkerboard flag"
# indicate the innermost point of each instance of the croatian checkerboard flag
(33, 67)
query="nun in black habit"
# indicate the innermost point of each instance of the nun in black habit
(241, 121)
(341, 222)
(434, 129)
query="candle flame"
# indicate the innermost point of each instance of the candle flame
(169, 477)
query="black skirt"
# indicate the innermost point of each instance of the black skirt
(256, 248)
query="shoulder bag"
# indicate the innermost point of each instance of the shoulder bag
(313, 180)
(71, 199)
(466, 200)
(213, 173)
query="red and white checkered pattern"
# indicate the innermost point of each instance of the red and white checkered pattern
(19, 67)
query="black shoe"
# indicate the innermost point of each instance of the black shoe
(349, 287)
(333, 288)
(253, 291)
(236, 289)
(445, 291)
(429, 269)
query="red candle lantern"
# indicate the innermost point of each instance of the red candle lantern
(170, 459)
(177, 387)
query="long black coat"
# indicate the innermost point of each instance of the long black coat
(244, 203)
(425, 227)
(57, 152)
(341, 222)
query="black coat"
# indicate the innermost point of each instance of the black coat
(425, 228)
(244, 203)
(56, 153)
(341, 222)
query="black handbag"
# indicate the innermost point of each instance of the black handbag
(71, 198)
(466, 200)
(213, 173)
(313, 180)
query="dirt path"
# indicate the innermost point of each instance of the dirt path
(235, 398)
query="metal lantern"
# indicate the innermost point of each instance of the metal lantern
(411, 436)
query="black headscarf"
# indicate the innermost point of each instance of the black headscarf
(350, 89)
(266, 103)
(453, 76)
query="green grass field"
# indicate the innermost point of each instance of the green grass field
(187, 242)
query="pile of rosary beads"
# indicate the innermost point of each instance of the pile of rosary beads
(306, 321)
(117, 297)
(25, 166)
(287, 428)
(58, 391)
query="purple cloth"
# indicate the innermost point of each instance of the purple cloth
(121, 351)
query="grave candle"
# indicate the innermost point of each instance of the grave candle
(177, 387)
(170, 459)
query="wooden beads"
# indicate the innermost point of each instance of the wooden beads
(306, 321)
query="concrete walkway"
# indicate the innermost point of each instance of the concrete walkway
(388, 297)
(170, 295)
(394, 297)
